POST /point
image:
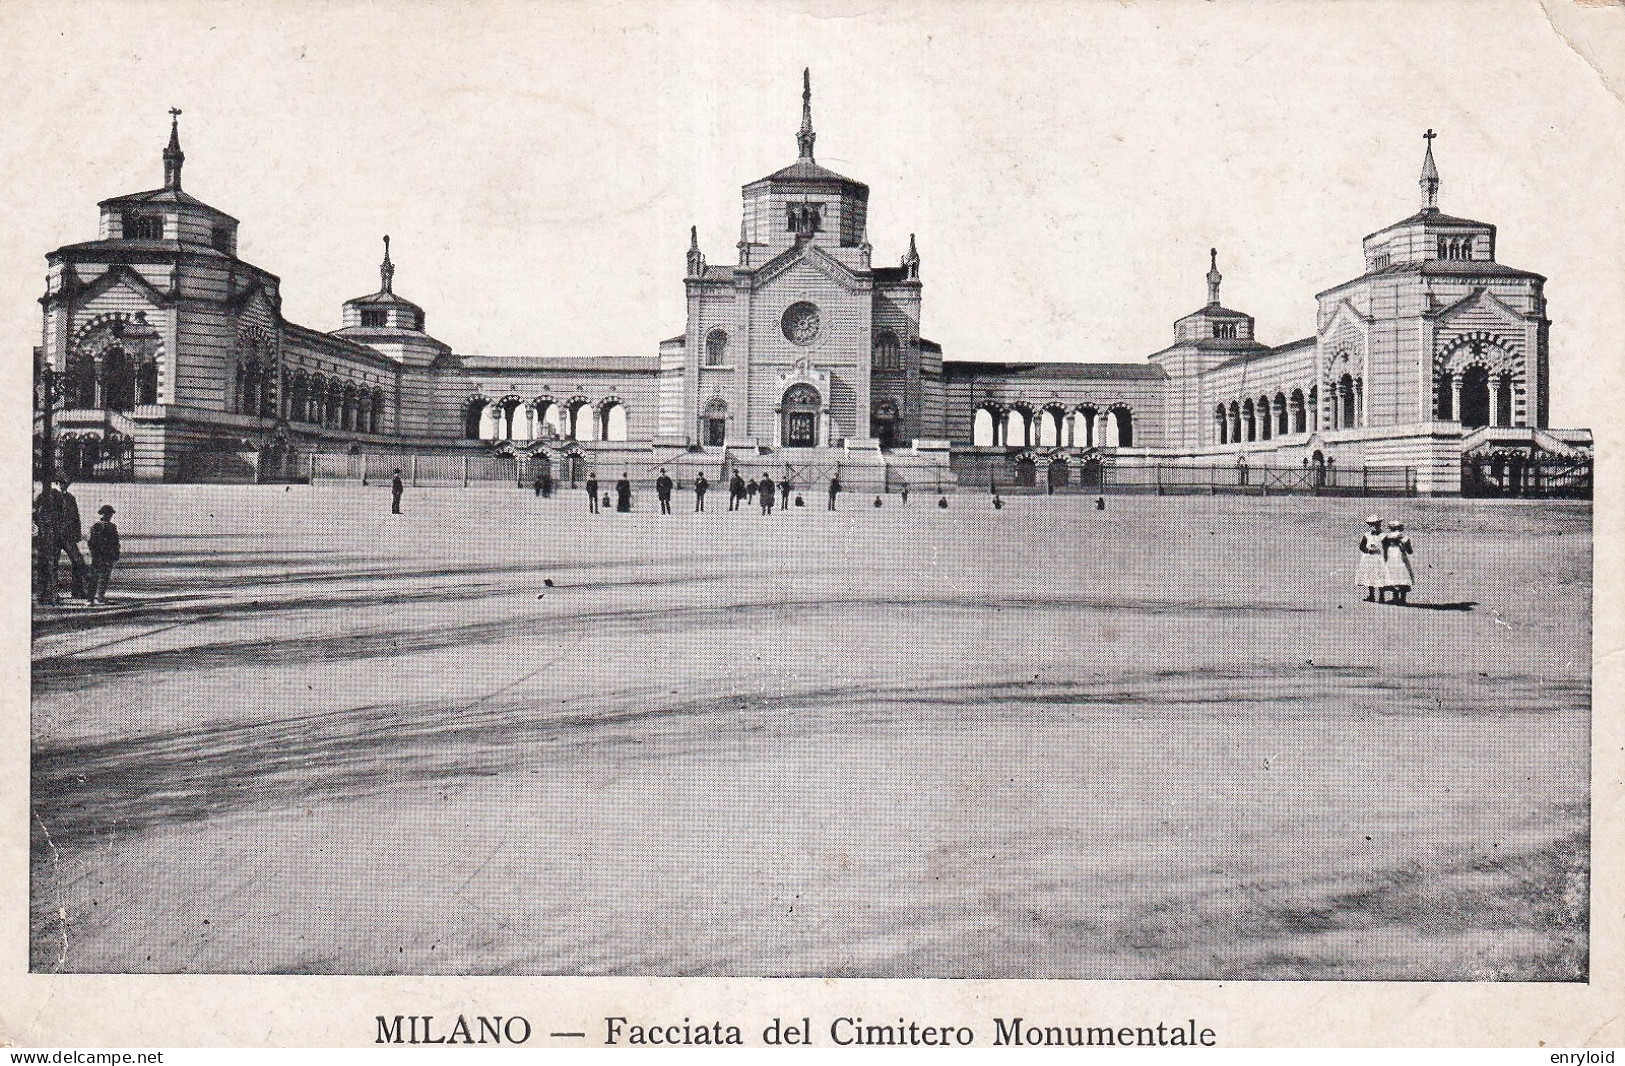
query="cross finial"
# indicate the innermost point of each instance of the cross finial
(806, 137)
(173, 156)
(1430, 176)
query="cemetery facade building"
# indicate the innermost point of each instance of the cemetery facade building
(175, 363)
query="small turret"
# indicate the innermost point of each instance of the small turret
(1430, 176)
(1213, 277)
(696, 261)
(911, 261)
(806, 136)
(173, 156)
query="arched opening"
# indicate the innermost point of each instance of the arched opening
(1265, 423)
(1282, 425)
(1298, 423)
(888, 354)
(1346, 394)
(1048, 429)
(1443, 400)
(1475, 397)
(1221, 428)
(118, 380)
(473, 418)
(491, 427)
(1086, 419)
(715, 422)
(799, 417)
(583, 421)
(716, 348)
(1314, 407)
(981, 431)
(81, 381)
(1119, 428)
(1249, 423)
(615, 421)
(1093, 474)
(523, 421)
(554, 420)
(1059, 474)
(375, 417)
(1015, 428)
(146, 382)
(885, 423)
(1503, 401)
(1026, 471)
(1235, 422)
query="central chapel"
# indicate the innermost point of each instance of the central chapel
(176, 363)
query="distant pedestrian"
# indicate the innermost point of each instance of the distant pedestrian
(1371, 573)
(764, 493)
(592, 492)
(877, 501)
(1100, 503)
(47, 537)
(942, 502)
(834, 490)
(736, 491)
(1396, 553)
(998, 501)
(784, 494)
(751, 488)
(700, 486)
(903, 492)
(663, 487)
(537, 485)
(397, 489)
(104, 552)
(547, 482)
(623, 494)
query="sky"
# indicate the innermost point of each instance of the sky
(1065, 167)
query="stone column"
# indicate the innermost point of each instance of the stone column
(1455, 397)
(1497, 386)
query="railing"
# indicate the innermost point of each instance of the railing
(1515, 476)
(1167, 479)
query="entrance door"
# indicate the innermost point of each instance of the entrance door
(801, 403)
(886, 433)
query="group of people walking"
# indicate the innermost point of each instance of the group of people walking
(1385, 562)
(57, 531)
(765, 492)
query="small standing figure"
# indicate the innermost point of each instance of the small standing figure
(877, 501)
(700, 486)
(903, 492)
(623, 494)
(104, 550)
(764, 493)
(998, 501)
(1371, 572)
(663, 487)
(397, 488)
(537, 485)
(1396, 561)
(834, 490)
(547, 482)
(784, 494)
(942, 502)
(736, 491)
(592, 492)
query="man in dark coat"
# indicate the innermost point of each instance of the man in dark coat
(764, 493)
(623, 494)
(784, 494)
(104, 552)
(663, 487)
(69, 533)
(736, 491)
(592, 492)
(47, 519)
(397, 487)
(834, 490)
(700, 485)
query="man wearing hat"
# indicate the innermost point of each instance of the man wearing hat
(103, 553)
(1396, 552)
(1371, 573)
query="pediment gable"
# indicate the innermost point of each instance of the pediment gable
(1342, 314)
(809, 257)
(125, 278)
(1478, 303)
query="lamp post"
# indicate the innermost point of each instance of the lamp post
(48, 389)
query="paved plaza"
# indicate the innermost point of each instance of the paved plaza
(496, 734)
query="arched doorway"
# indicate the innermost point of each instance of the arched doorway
(799, 417)
(1475, 397)
(714, 424)
(886, 423)
(1059, 474)
(982, 432)
(1026, 471)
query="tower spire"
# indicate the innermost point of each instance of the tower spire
(1430, 176)
(696, 261)
(1213, 277)
(805, 138)
(173, 156)
(386, 269)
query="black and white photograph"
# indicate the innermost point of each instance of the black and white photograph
(1074, 492)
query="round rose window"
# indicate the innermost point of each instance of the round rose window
(800, 322)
